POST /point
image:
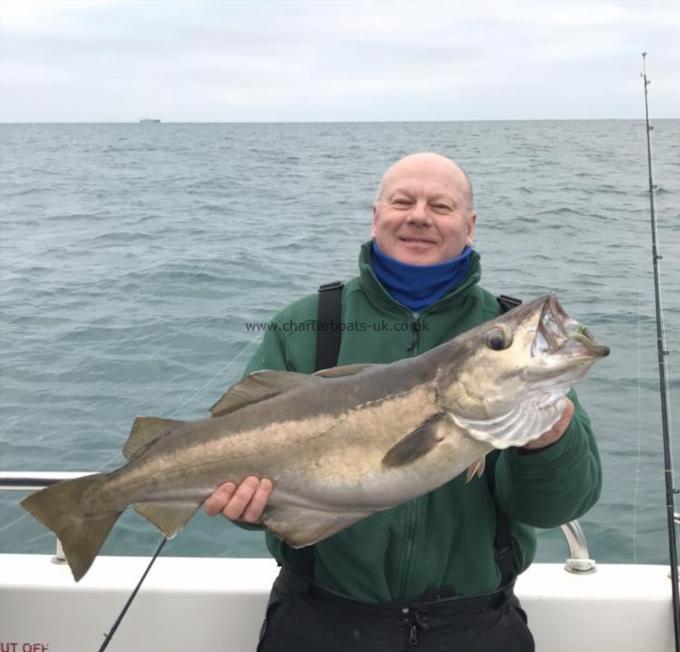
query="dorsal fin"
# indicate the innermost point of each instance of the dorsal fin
(345, 370)
(255, 388)
(146, 430)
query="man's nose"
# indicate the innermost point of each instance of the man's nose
(418, 214)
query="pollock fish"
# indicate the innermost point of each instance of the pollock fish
(339, 444)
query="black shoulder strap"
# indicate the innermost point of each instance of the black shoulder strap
(328, 335)
(503, 549)
(328, 331)
(508, 303)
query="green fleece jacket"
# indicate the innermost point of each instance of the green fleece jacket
(444, 538)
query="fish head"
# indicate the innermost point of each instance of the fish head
(507, 380)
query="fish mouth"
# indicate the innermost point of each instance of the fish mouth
(559, 334)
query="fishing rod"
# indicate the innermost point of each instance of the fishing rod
(133, 595)
(662, 352)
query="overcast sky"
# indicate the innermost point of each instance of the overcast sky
(220, 61)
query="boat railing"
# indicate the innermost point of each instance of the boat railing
(578, 562)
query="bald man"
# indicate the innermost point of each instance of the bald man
(436, 572)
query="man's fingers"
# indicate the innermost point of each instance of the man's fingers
(242, 496)
(215, 503)
(244, 502)
(258, 502)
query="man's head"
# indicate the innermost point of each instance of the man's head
(423, 214)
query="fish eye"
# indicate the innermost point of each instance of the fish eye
(497, 340)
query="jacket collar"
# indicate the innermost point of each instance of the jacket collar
(380, 297)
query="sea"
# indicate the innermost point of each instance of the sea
(134, 256)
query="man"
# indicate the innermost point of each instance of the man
(433, 572)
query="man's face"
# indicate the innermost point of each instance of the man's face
(423, 215)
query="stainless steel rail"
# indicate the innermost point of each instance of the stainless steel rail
(34, 480)
(578, 561)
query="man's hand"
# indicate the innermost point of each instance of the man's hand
(551, 436)
(243, 503)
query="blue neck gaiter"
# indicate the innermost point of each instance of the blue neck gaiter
(419, 286)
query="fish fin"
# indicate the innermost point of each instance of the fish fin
(145, 431)
(65, 508)
(169, 518)
(417, 443)
(256, 387)
(300, 527)
(345, 370)
(476, 469)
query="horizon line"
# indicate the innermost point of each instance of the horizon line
(281, 122)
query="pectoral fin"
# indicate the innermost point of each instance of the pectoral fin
(416, 444)
(476, 469)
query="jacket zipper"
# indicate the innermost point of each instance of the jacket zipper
(413, 635)
(415, 333)
(413, 507)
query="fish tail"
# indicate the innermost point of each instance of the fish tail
(67, 508)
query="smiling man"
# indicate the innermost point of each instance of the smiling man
(423, 214)
(437, 572)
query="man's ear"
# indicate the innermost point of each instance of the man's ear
(472, 221)
(374, 212)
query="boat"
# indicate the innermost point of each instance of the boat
(147, 120)
(219, 603)
(197, 603)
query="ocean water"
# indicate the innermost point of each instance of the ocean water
(132, 256)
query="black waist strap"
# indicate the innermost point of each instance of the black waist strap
(440, 603)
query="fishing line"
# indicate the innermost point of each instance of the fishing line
(133, 595)
(18, 519)
(221, 371)
(200, 390)
(662, 353)
(164, 540)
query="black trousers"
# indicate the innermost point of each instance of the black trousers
(303, 617)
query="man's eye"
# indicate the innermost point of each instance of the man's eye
(441, 207)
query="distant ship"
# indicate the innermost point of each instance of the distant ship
(149, 119)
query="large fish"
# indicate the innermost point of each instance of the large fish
(341, 444)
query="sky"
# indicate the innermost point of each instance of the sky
(384, 60)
